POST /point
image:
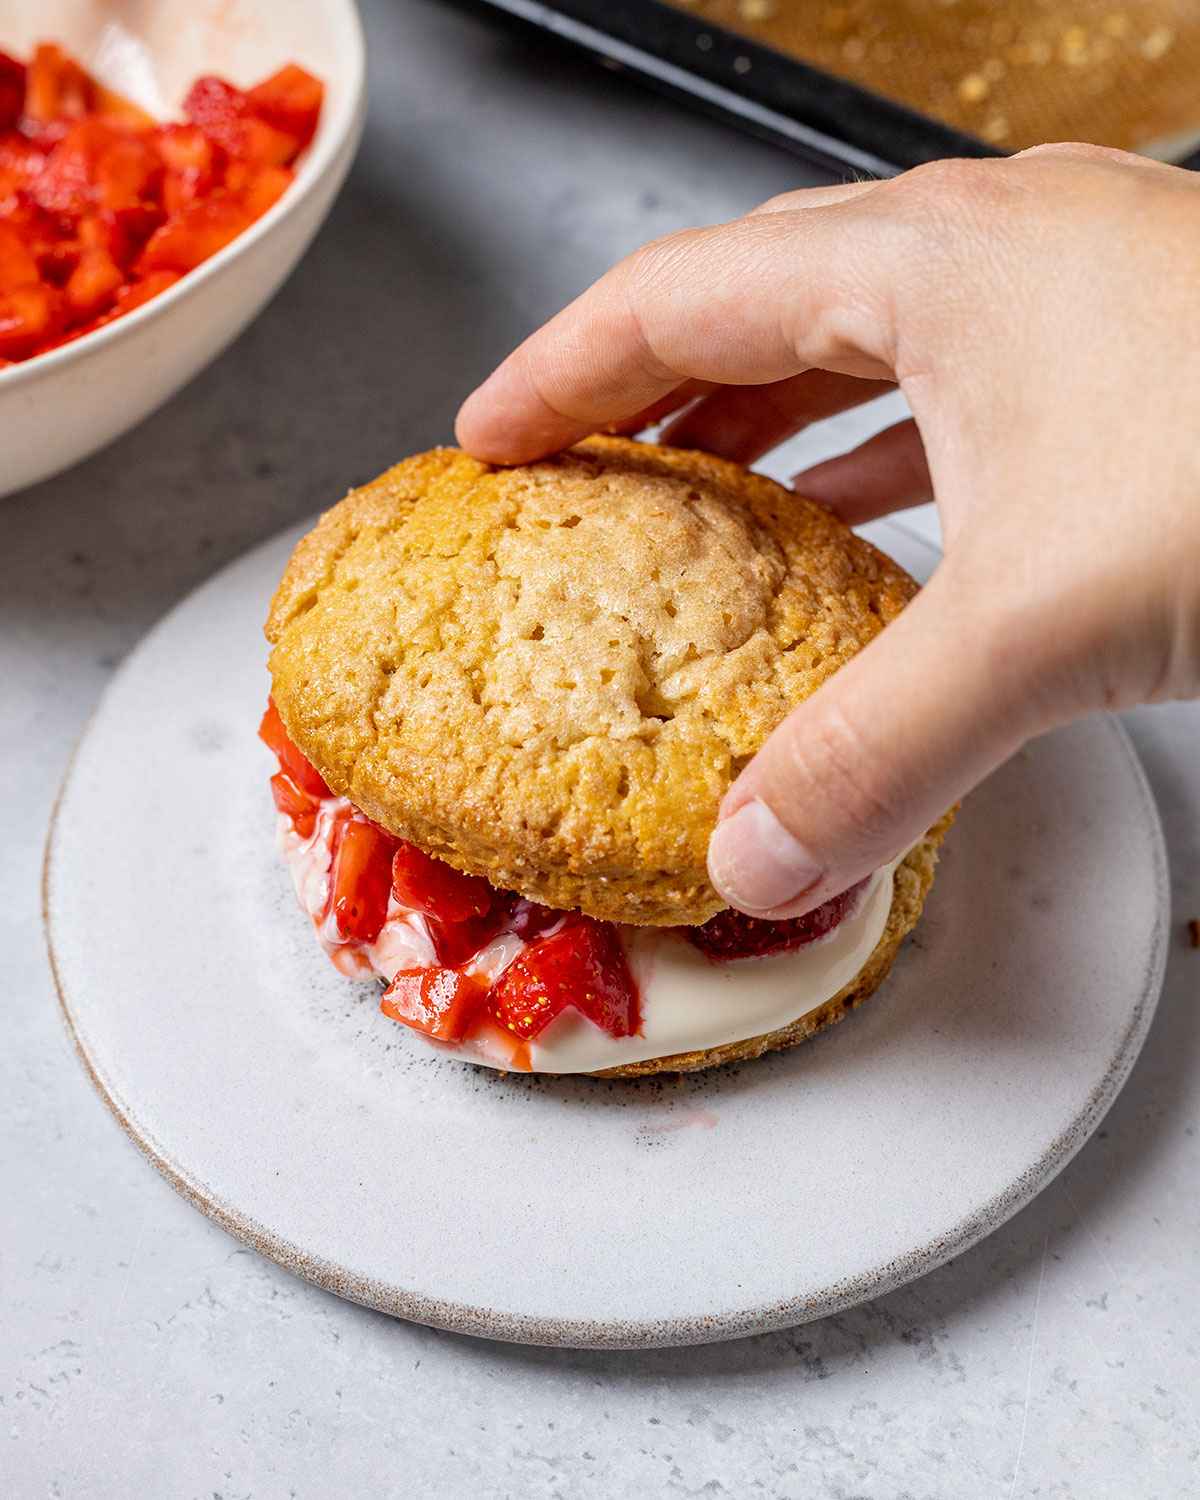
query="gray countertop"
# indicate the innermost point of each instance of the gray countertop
(142, 1351)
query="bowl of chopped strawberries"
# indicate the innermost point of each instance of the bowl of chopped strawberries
(162, 169)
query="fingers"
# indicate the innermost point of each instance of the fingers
(857, 773)
(747, 303)
(744, 422)
(659, 411)
(888, 472)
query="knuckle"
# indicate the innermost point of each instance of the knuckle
(951, 180)
(1078, 151)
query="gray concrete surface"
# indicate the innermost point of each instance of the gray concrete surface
(142, 1352)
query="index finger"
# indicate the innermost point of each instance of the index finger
(744, 303)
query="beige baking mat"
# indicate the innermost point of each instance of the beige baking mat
(1015, 72)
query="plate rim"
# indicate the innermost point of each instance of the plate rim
(622, 1333)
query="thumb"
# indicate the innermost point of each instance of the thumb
(858, 772)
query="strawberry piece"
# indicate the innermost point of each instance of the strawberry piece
(440, 1002)
(290, 100)
(127, 172)
(194, 165)
(135, 294)
(263, 188)
(437, 890)
(12, 91)
(56, 87)
(93, 284)
(29, 316)
(218, 109)
(730, 935)
(583, 965)
(360, 883)
(185, 148)
(190, 236)
(295, 804)
(302, 772)
(224, 114)
(20, 163)
(18, 263)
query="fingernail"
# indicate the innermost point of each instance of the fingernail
(755, 863)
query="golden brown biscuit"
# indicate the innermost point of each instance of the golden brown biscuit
(913, 879)
(550, 675)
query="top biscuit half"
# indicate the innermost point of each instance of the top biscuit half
(550, 675)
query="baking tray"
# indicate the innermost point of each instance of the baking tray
(826, 119)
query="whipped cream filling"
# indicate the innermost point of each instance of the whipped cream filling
(688, 1002)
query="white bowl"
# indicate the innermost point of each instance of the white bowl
(59, 407)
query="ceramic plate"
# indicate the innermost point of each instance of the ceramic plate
(571, 1211)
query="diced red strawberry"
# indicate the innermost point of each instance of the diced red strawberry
(360, 881)
(440, 1002)
(273, 734)
(29, 316)
(12, 91)
(218, 109)
(56, 87)
(194, 165)
(290, 100)
(18, 263)
(20, 163)
(264, 188)
(583, 965)
(135, 295)
(436, 889)
(127, 172)
(193, 234)
(92, 285)
(225, 116)
(731, 935)
(294, 803)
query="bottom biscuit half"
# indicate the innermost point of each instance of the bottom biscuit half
(914, 877)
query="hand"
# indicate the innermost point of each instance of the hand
(1042, 316)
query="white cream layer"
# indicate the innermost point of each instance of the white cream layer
(688, 1002)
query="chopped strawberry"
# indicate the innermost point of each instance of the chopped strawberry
(295, 804)
(218, 109)
(128, 171)
(264, 188)
(583, 965)
(360, 882)
(29, 316)
(136, 294)
(93, 284)
(20, 163)
(730, 935)
(194, 165)
(224, 114)
(436, 889)
(440, 1002)
(273, 734)
(193, 234)
(12, 91)
(18, 263)
(290, 100)
(56, 87)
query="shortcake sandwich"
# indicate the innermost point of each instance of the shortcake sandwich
(506, 704)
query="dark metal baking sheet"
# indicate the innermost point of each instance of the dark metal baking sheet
(824, 118)
(821, 117)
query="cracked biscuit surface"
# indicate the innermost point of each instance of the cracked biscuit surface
(550, 675)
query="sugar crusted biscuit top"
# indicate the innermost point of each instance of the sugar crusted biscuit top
(550, 675)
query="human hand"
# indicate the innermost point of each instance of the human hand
(1041, 314)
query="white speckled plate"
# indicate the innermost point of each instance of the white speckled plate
(274, 1094)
